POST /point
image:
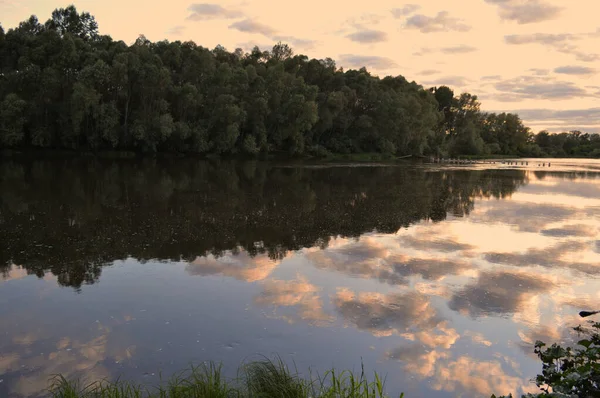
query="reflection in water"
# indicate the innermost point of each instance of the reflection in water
(441, 278)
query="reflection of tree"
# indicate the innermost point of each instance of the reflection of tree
(73, 216)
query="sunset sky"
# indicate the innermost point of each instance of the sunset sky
(535, 57)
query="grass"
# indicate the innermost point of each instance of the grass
(259, 379)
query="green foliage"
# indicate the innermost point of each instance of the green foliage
(570, 372)
(261, 379)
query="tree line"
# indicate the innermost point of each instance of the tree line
(63, 85)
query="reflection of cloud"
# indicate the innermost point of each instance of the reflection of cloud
(72, 359)
(299, 293)
(241, 266)
(577, 230)
(477, 338)
(547, 257)
(431, 269)
(473, 376)
(384, 315)
(363, 259)
(13, 273)
(483, 377)
(526, 217)
(418, 360)
(423, 242)
(370, 259)
(496, 293)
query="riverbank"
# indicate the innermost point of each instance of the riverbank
(264, 378)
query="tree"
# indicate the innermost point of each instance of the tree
(67, 20)
(12, 120)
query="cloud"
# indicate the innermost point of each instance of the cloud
(573, 116)
(442, 22)
(206, 11)
(456, 81)
(251, 26)
(369, 61)
(249, 45)
(550, 39)
(296, 42)
(533, 87)
(561, 42)
(368, 36)
(462, 49)
(575, 70)
(406, 10)
(498, 293)
(429, 72)
(491, 77)
(539, 71)
(176, 30)
(526, 12)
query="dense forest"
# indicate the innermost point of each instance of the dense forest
(65, 86)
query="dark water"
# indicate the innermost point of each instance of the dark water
(439, 278)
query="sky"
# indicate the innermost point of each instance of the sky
(535, 57)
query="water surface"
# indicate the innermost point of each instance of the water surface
(440, 277)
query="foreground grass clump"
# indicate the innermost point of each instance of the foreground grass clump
(260, 379)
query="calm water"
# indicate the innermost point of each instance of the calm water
(441, 278)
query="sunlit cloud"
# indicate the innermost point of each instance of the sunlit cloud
(368, 36)
(442, 22)
(526, 12)
(575, 70)
(252, 26)
(405, 10)
(369, 61)
(206, 11)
